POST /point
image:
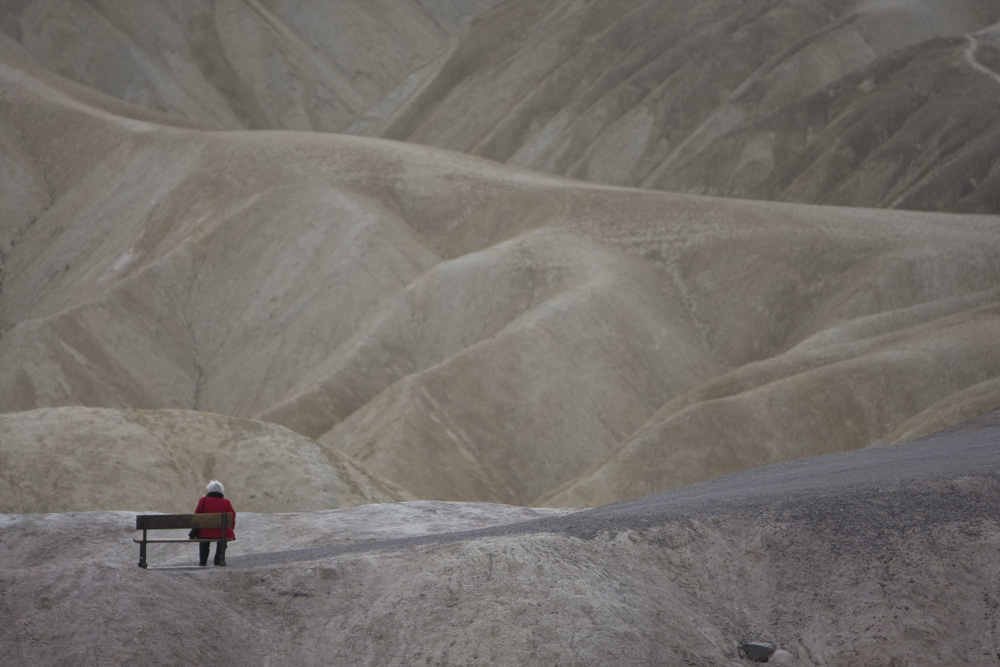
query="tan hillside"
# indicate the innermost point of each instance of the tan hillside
(867, 103)
(466, 330)
(521, 332)
(917, 129)
(64, 459)
(234, 64)
(844, 390)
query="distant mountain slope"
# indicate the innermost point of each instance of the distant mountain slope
(864, 103)
(918, 129)
(651, 97)
(239, 64)
(463, 329)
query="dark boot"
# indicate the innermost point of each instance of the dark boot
(220, 554)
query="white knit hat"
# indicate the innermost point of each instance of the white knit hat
(215, 486)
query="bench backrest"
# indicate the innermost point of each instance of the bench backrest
(169, 521)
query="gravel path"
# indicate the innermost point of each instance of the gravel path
(868, 492)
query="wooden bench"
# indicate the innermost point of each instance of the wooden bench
(146, 522)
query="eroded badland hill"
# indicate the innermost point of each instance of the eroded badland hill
(442, 261)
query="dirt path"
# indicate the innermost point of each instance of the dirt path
(871, 491)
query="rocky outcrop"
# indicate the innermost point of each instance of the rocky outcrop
(757, 651)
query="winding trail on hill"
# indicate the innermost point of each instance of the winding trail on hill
(864, 494)
(970, 56)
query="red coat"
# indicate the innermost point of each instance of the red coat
(211, 505)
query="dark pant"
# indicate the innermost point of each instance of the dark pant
(220, 552)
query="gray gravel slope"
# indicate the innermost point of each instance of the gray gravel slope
(870, 492)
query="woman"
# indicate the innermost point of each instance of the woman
(215, 503)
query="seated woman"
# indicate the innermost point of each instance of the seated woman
(215, 503)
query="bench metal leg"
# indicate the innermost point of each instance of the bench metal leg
(142, 550)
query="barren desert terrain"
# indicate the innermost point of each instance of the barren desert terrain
(424, 281)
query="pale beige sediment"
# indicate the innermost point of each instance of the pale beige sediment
(467, 330)
(65, 459)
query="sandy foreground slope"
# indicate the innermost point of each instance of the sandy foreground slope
(873, 557)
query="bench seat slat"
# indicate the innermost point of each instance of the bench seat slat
(169, 521)
(151, 540)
